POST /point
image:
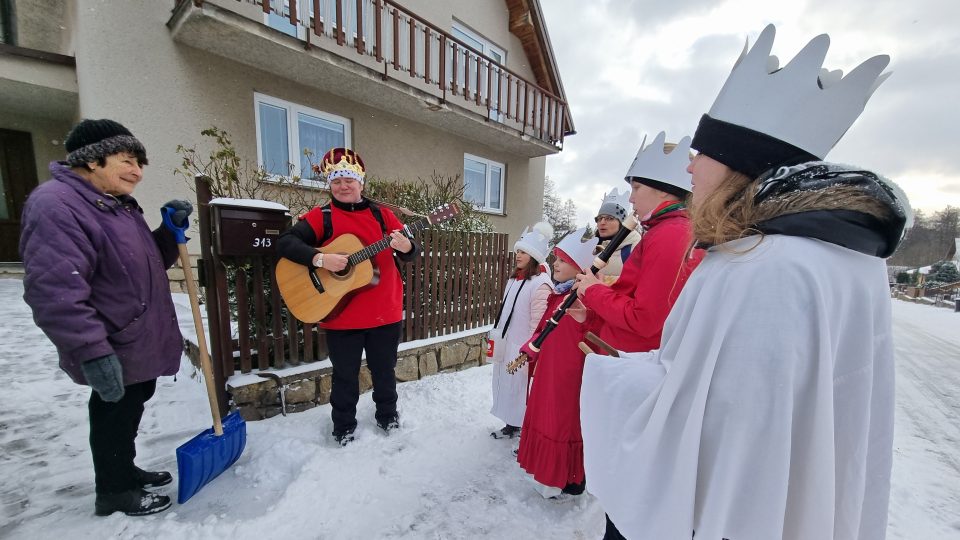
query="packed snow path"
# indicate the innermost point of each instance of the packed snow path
(440, 477)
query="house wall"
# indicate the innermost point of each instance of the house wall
(167, 93)
(47, 137)
(489, 18)
(42, 25)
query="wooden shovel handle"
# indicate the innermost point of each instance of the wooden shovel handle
(205, 363)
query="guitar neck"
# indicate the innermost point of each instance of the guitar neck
(384, 243)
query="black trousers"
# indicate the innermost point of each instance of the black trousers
(113, 430)
(346, 348)
(612, 533)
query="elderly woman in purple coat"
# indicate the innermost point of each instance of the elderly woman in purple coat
(95, 277)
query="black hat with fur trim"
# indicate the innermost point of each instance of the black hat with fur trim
(93, 140)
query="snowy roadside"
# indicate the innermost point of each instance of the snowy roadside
(441, 476)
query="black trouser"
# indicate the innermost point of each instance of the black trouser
(612, 533)
(346, 348)
(113, 430)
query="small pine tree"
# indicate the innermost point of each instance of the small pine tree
(943, 272)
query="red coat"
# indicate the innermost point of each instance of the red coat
(371, 306)
(632, 310)
(551, 447)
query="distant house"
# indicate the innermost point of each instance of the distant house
(466, 87)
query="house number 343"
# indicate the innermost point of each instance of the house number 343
(261, 242)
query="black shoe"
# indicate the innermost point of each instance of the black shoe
(506, 432)
(150, 479)
(575, 489)
(136, 502)
(343, 438)
(390, 424)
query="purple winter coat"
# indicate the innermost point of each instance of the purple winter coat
(96, 278)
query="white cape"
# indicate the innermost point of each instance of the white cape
(768, 411)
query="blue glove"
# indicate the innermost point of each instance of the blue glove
(181, 211)
(105, 375)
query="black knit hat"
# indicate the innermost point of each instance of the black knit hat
(94, 140)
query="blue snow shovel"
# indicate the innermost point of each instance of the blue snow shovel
(204, 457)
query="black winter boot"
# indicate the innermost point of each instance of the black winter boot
(506, 432)
(136, 502)
(150, 479)
(343, 438)
(575, 489)
(389, 424)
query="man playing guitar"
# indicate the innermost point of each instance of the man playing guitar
(369, 320)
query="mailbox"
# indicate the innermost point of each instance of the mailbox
(247, 227)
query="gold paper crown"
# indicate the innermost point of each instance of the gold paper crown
(349, 164)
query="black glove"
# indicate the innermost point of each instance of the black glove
(105, 375)
(182, 210)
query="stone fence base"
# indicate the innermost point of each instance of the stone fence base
(302, 390)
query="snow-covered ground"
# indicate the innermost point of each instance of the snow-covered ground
(440, 477)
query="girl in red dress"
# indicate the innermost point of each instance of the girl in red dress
(551, 448)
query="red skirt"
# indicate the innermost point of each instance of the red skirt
(551, 445)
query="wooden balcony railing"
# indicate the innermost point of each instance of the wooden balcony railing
(407, 45)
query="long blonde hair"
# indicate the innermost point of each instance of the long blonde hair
(728, 213)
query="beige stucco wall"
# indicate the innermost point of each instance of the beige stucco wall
(43, 25)
(47, 136)
(174, 91)
(489, 18)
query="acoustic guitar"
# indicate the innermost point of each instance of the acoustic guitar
(312, 294)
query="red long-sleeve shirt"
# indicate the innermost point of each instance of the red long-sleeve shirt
(632, 310)
(371, 306)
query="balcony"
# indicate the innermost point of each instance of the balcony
(378, 53)
(38, 83)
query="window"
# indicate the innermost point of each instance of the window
(490, 50)
(285, 130)
(7, 31)
(483, 183)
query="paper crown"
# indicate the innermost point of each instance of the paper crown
(341, 162)
(767, 116)
(662, 168)
(581, 251)
(536, 241)
(615, 204)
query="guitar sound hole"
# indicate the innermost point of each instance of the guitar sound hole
(345, 272)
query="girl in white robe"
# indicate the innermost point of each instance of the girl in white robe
(524, 301)
(767, 412)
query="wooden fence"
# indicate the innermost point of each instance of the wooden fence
(455, 284)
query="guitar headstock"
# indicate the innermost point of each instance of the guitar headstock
(443, 213)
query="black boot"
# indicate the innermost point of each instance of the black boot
(136, 502)
(343, 438)
(389, 424)
(150, 479)
(506, 432)
(575, 489)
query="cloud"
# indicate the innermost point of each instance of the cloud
(635, 67)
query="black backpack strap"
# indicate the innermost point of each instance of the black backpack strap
(377, 215)
(625, 253)
(327, 224)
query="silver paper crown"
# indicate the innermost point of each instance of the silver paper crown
(654, 162)
(802, 103)
(580, 250)
(616, 204)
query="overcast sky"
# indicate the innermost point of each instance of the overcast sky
(635, 67)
